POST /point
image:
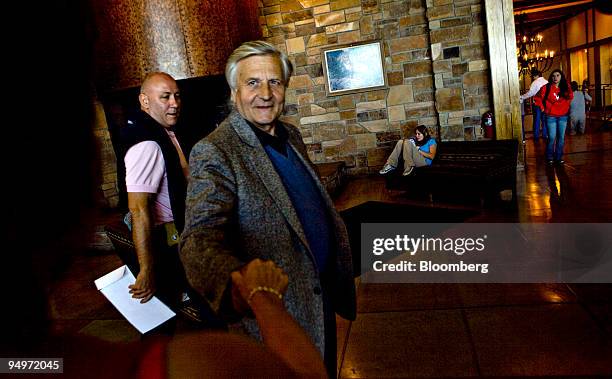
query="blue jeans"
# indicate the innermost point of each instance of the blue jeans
(539, 120)
(556, 137)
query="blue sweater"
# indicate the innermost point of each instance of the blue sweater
(307, 201)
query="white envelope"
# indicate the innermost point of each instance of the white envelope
(143, 317)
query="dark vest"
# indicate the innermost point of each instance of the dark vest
(141, 127)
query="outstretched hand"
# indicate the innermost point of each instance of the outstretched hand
(258, 273)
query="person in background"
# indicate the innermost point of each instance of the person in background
(555, 98)
(537, 82)
(156, 181)
(253, 193)
(416, 152)
(577, 112)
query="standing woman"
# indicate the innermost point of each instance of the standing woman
(416, 152)
(554, 99)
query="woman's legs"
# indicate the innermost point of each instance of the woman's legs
(394, 157)
(560, 144)
(551, 123)
(412, 157)
(556, 137)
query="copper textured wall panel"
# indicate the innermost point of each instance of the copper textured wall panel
(164, 42)
(186, 38)
(213, 29)
(119, 52)
(206, 35)
(248, 19)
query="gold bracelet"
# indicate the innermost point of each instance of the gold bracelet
(265, 289)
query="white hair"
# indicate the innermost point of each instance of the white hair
(253, 48)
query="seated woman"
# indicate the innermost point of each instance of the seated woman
(416, 153)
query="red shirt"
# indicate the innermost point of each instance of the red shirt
(554, 105)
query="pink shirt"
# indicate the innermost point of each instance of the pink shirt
(145, 171)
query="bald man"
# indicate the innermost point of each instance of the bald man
(156, 179)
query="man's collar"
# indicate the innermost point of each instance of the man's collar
(278, 141)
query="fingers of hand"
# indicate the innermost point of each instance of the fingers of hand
(142, 290)
(265, 273)
(147, 298)
(142, 294)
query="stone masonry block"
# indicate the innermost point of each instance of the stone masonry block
(329, 132)
(365, 141)
(440, 12)
(448, 23)
(349, 37)
(366, 25)
(302, 15)
(290, 6)
(375, 126)
(329, 18)
(321, 9)
(408, 43)
(321, 118)
(300, 81)
(274, 19)
(475, 79)
(343, 4)
(450, 34)
(369, 105)
(417, 69)
(442, 66)
(436, 51)
(422, 84)
(449, 99)
(313, 3)
(396, 113)
(412, 19)
(295, 45)
(401, 94)
(395, 78)
(472, 52)
(478, 65)
(339, 28)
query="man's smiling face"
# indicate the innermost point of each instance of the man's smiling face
(260, 90)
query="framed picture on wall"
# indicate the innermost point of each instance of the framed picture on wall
(354, 68)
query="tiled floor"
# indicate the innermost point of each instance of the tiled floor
(440, 330)
(495, 330)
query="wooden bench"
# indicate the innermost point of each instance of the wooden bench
(332, 175)
(464, 168)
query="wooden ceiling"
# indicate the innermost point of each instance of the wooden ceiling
(538, 15)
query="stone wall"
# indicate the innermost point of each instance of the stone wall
(106, 173)
(435, 62)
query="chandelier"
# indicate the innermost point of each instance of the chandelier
(529, 53)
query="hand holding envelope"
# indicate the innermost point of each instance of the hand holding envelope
(143, 316)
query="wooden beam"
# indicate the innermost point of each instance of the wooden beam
(538, 8)
(504, 71)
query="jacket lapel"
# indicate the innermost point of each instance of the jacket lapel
(258, 161)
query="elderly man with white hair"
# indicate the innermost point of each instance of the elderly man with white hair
(253, 194)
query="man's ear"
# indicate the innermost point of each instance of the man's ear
(144, 101)
(233, 96)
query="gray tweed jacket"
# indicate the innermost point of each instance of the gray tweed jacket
(238, 210)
